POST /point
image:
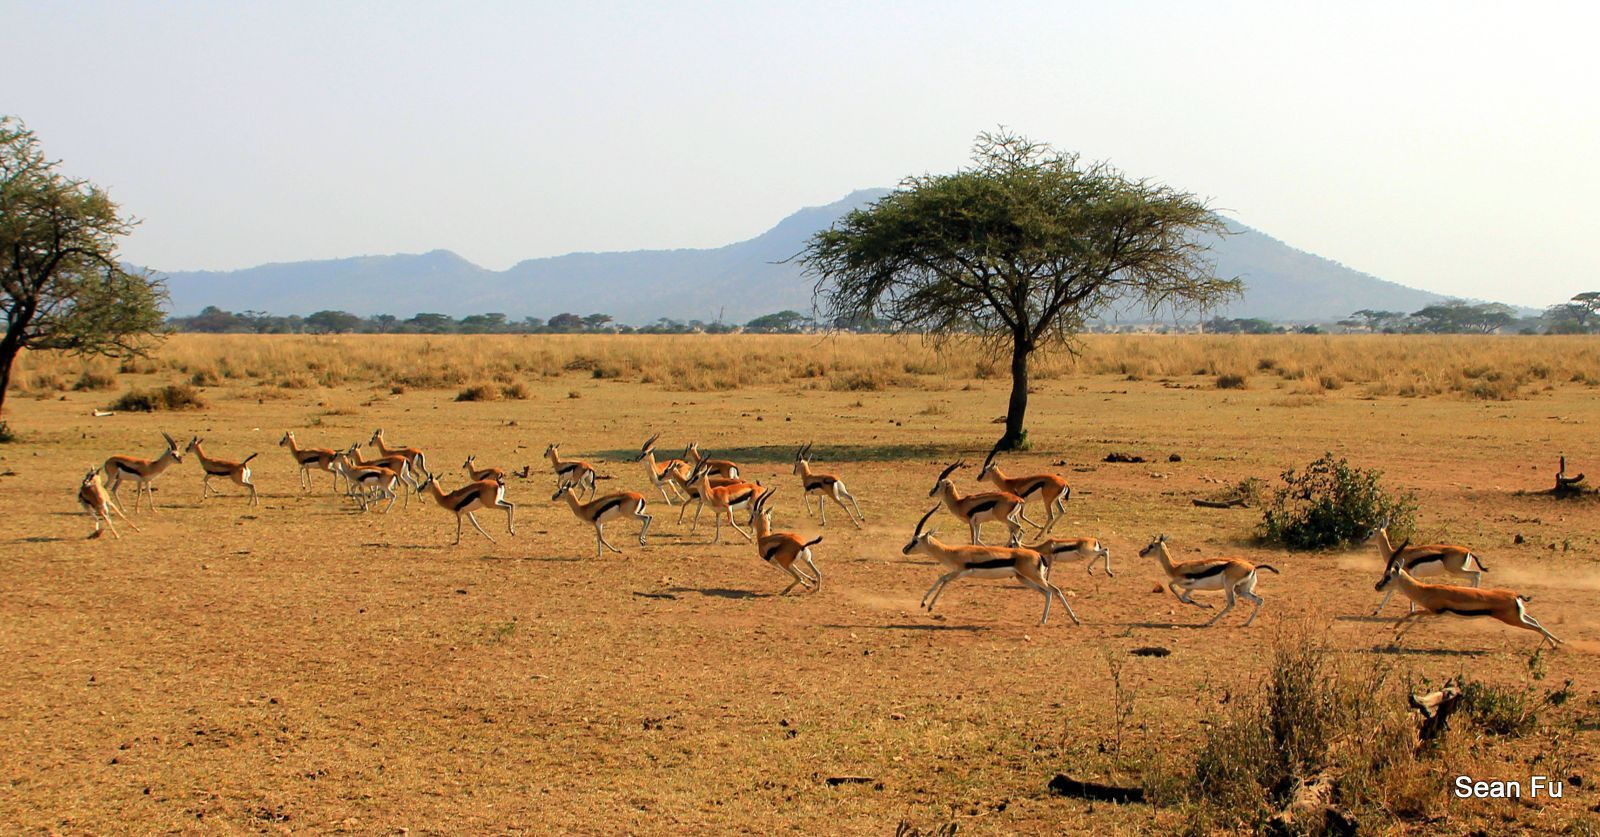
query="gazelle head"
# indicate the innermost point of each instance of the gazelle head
(802, 457)
(1394, 568)
(988, 462)
(427, 481)
(920, 538)
(648, 446)
(93, 476)
(761, 507)
(287, 440)
(1381, 527)
(1159, 543)
(944, 476)
(469, 463)
(194, 442)
(172, 447)
(553, 451)
(562, 489)
(693, 449)
(377, 435)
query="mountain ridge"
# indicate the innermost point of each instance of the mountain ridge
(737, 281)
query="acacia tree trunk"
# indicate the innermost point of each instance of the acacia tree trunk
(8, 353)
(1018, 408)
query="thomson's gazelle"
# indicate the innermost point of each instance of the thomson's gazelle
(1233, 576)
(1049, 488)
(723, 500)
(397, 463)
(1426, 560)
(783, 550)
(596, 512)
(1053, 548)
(484, 494)
(1025, 565)
(977, 509)
(826, 487)
(670, 474)
(718, 467)
(414, 456)
(320, 459)
(1442, 599)
(141, 471)
(475, 473)
(236, 472)
(92, 495)
(581, 474)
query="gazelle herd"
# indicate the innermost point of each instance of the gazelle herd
(718, 484)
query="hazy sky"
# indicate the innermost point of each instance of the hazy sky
(1446, 146)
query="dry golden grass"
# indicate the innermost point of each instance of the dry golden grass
(302, 666)
(1489, 368)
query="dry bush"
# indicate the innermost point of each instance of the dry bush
(479, 392)
(516, 391)
(92, 380)
(1231, 382)
(170, 397)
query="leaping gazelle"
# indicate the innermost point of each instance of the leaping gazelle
(1052, 490)
(400, 465)
(475, 473)
(718, 467)
(596, 512)
(1426, 560)
(1441, 599)
(414, 456)
(485, 494)
(1020, 563)
(826, 487)
(141, 472)
(978, 509)
(723, 500)
(1234, 576)
(1053, 548)
(95, 500)
(664, 475)
(236, 472)
(784, 550)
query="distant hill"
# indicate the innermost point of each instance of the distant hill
(741, 281)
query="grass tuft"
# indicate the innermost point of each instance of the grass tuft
(170, 397)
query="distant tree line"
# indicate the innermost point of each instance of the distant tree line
(214, 320)
(1581, 315)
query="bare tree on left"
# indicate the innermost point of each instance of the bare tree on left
(62, 286)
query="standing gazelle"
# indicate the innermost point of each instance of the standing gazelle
(581, 474)
(236, 472)
(484, 494)
(978, 509)
(1441, 599)
(826, 487)
(1426, 560)
(94, 499)
(320, 459)
(1234, 576)
(979, 561)
(664, 475)
(597, 511)
(1049, 488)
(141, 472)
(783, 549)
(475, 473)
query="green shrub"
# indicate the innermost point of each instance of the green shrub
(170, 397)
(1332, 503)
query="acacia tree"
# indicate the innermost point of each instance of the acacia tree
(1019, 250)
(62, 287)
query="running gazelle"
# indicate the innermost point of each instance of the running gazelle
(397, 463)
(663, 475)
(475, 473)
(236, 472)
(414, 456)
(369, 483)
(826, 487)
(141, 472)
(1235, 577)
(1442, 599)
(484, 494)
(581, 474)
(783, 550)
(723, 500)
(599, 510)
(1053, 548)
(718, 467)
(95, 500)
(978, 509)
(1052, 490)
(1426, 560)
(979, 561)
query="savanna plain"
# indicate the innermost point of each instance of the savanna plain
(304, 666)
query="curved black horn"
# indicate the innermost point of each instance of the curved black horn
(923, 521)
(947, 471)
(650, 441)
(989, 459)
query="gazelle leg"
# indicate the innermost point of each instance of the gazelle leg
(645, 527)
(816, 574)
(663, 489)
(599, 533)
(1022, 514)
(858, 517)
(390, 493)
(940, 591)
(937, 583)
(846, 509)
(735, 525)
(1522, 614)
(822, 507)
(458, 530)
(474, 518)
(1248, 591)
(792, 574)
(975, 539)
(1232, 597)
(1184, 596)
(511, 513)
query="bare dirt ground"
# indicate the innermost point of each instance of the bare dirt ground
(302, 666)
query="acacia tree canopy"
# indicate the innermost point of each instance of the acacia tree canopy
(1020, 249)
(62, 287)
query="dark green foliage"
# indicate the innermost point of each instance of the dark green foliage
(1020, 249)
(1331, 503)
(170, 397)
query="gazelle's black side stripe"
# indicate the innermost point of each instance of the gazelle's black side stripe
(466, 501)
(987, 505)
(611, 504)
(992, 564)
(1208, 572)
(1466, 612)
